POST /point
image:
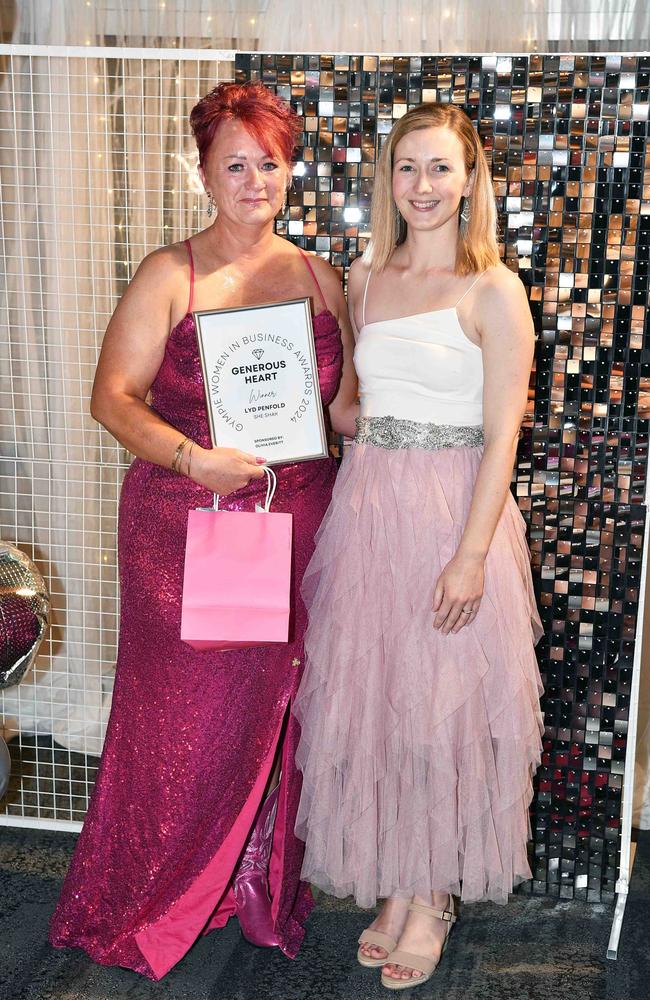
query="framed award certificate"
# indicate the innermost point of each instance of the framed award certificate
(261, 380)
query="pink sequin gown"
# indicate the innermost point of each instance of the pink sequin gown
(192, 735)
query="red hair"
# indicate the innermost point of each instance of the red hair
(271, 121)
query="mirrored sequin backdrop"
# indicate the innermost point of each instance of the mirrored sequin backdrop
(567, 138)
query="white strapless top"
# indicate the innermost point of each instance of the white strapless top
(420, 367)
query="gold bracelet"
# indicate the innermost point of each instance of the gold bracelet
(189, 458)
(177, 454)
(179, 460)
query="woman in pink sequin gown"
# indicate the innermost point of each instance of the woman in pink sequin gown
(195, 738)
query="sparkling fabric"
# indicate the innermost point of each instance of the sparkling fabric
(567, 136)
(393, 432)
(189, 731)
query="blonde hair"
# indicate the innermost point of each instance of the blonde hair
(477, 243)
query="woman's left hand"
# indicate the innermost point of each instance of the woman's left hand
(459, 589)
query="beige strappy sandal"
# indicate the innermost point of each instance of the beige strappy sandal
(412, 961)
(380, 940)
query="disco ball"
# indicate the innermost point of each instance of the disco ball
(24, 611)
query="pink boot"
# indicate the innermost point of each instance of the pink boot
(251, 885)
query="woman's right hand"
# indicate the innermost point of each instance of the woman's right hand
(224, 470)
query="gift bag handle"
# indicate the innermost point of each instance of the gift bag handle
(271, 486)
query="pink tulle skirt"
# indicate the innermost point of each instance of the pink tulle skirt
(417, 749)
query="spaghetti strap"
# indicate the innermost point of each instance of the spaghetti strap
(191, 257)
(305, 257)
(365, 296)
(467, 291)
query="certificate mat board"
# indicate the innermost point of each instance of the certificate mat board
(261, 380)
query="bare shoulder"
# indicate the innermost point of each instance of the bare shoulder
(163, 265)
(156, 294)
(501, 288)
(357, 276)
(502, 312)
(326, 275)
(357, 280)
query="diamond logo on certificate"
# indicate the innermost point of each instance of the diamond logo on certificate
(261, 380)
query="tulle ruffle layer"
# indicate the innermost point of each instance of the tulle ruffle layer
(417, 749)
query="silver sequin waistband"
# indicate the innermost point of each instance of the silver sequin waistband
(391, 432)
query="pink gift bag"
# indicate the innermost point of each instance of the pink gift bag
(236, 589)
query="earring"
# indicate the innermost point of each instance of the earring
(212, 206)
(284, 203)
(466, 213)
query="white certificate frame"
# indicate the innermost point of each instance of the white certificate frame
(222, 342)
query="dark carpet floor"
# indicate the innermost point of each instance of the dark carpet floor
(533, 949)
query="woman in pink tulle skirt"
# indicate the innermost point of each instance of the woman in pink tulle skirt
(419, 705)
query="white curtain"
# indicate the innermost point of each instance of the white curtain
(96, 169)
(342, 26)
(57, 209)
